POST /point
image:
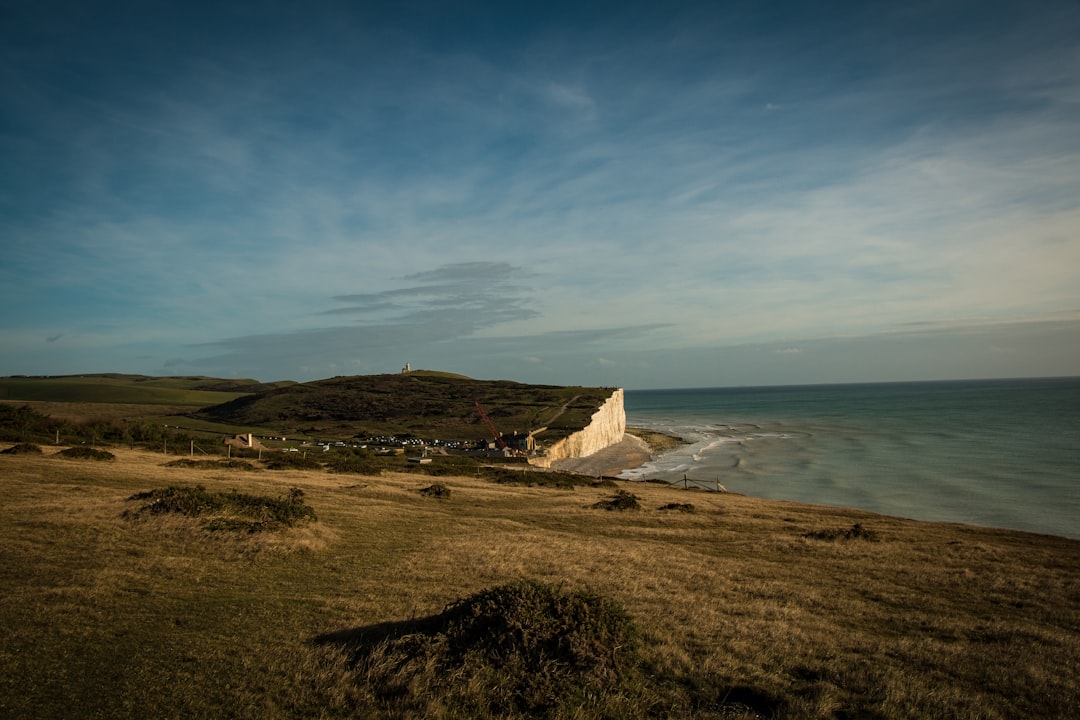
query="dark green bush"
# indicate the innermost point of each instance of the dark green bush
(621, 500)
(358, 461)
(526, 649)
(230, 511)
(23, 448)
(855, 532)
(291, 461)
(82, 452)
(227, 464)
(680, 507)
(438, 490)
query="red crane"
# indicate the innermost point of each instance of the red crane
(491, 426)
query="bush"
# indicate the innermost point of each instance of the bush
(229, 464)
(23, 448)
(360, 462)
(680, 507)
(291, 461)
(855, 532)
(230, 511)
(438, 490)
(621, 500)
(510, 475)
(524, 649)
(86, 453)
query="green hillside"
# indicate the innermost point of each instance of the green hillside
(419, 403)
(193, 391)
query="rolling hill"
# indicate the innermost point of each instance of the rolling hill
(419, 403)
(192, 391)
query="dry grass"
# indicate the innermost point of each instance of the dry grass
(775, 609)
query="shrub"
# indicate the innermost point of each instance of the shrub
(855, 532)
(360, 463)
(291, 461)
(438, 490)
(621, 500)
(23, 448)
(229, 464)
(524, 649)
(229, 511)
(510, 474)
(681, 507)
(82, 452)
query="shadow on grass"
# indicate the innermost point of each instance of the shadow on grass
(359, 642)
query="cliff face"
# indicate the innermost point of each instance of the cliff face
(607, 427)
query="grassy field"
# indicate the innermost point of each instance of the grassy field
(745, 607)
(109, 388)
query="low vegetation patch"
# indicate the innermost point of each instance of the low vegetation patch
(621, 500)
(23, 448)
(82, 452)
(526, 649)
(226, 464)
(291, 461)
(855, 532)
(225, 511)
(679, 507)
(359, 461)
(438, 490)
(657, 441)
(523, 475)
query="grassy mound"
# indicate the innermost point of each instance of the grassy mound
(82, 452)
(526, 649)
(621, 500)
(23, 448)
(226, 511)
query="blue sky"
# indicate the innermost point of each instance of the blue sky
(631, 194)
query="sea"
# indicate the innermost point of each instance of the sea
(996, 453)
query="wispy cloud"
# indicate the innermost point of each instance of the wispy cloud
(666, 180)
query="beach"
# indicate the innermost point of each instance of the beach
(631, 452)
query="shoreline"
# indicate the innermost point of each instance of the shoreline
(628, 453)
(638, 446)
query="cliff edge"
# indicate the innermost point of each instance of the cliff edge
(606, 428)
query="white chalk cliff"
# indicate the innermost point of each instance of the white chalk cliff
(606, 428)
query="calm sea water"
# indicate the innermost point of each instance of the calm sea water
(1000, 453)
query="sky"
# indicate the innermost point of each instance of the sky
(641, 195)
